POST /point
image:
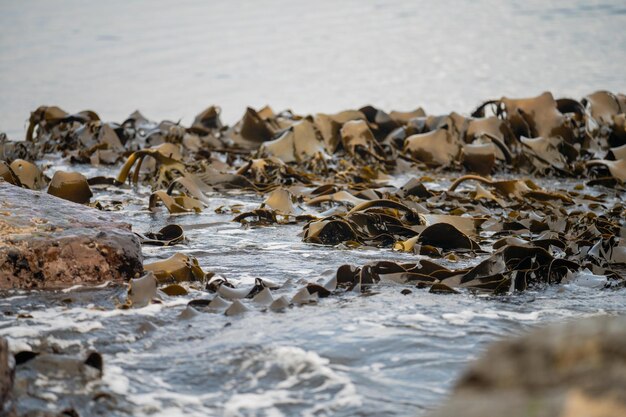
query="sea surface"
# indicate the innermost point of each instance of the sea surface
(383, 354)
(171, 60)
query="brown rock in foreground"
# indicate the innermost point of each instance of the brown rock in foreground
(576, 369)
(47, 242)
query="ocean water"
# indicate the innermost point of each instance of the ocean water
(172, 60)
(384, 354)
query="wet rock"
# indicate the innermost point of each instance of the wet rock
(576, 369)
(53, 384)
(47, 242)
(7, 407)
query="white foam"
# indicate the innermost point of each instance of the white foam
(267, 401)
(328, 390)
(465, 316)
(51, 320)
(517, 316)
(79, 319)
(587, 279)
(418, 317)
(115, 378)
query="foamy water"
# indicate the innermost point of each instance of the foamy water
(379, 354)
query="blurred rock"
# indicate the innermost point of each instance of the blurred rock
(7, 407)
(47, 242)
(53, 384)
(576, 369)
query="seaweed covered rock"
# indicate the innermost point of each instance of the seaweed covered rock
(47, 242)
(574, 369)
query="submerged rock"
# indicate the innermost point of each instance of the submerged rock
(47, 242)
(576, 369)
(53, 384)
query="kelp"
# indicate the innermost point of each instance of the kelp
(538, 134)
(329, 126)
(45, 118)
(517, 189)
(258, 217)
(166, 155)
(544, 153)
(446, 236)
(174, 290)
(7, 174)
(175, 204)
(178, 268)
(264, 295)
(343, 197)
(29, 175)
(98, 144)
(300, 142)
(492, 128)
(228, 291)
(253, 129)
(604, 105)
(281, 201)
(479, 158)
(508, 269)
(435, 148)
(207, 121)
(172, 234)
(337, 174)
(141, 291)
(359, 141)
(376, 222)
(551, 250)
(70, 186)
(266, 173)
(617, 169)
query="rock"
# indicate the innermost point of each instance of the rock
(576, 369)
(7, 406)
(51, 365)
(47, 242)
(53, 384)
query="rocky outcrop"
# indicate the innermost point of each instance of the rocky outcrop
(576, 369)
(47, 242)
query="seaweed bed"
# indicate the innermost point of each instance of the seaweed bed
(360, 213)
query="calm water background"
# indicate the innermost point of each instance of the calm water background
(385, 354)
(173, 59)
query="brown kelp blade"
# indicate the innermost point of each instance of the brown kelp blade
(7, 174)
(169, 235)
(175, 204)
(177, 268)
(446, 236)
(70, 186)
(29, 174)
(166, 155)
(616, 168)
